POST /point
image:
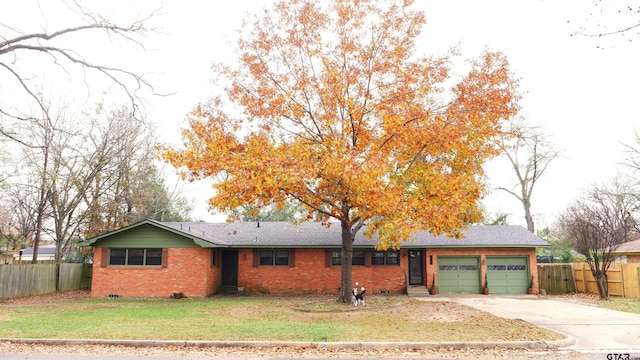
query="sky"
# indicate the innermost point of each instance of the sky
(582, 91)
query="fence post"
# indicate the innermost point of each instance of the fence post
(622, 280)
(573, 275)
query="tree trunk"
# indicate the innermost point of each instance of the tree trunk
(603, 286)
(526, 204)
(42, 201)
(347, 256)
(58, 258)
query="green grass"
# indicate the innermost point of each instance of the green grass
(614, 302)
(620, 304)
(303, 318)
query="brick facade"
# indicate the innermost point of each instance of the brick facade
(312, 275)
(188, 270)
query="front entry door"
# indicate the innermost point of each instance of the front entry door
(416, 268)
(230, 268)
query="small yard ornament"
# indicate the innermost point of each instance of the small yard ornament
(357, 297)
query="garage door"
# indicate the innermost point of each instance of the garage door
(458, 275)
(507, 275)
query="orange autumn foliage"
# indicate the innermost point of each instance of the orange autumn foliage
(338, 111)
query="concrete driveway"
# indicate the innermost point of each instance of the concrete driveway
(593, 328)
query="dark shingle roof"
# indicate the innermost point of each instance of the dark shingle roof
(631, 246)
(313, 234)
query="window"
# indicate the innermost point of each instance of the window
(336, 257)
(135, 257)
(468, 267)
(154, 257)
(357, 259)
(390, 257)
(274, 257)
(118, 257)
(516, 267)
(448, 267)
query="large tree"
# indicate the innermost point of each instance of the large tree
(530, 154)
(598, 223)
(337, 110)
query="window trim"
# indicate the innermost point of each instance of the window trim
(386, 258)
(214, 257)
(258, 256)
(336, 260)
(145, 257)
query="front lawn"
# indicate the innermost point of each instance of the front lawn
(614, 302)
(264, 318)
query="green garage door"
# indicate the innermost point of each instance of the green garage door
(458, 275)
(507, 275)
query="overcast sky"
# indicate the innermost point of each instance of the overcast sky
(583, 91)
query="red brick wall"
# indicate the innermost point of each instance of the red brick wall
(188, 271)
(311, 276)
(482, 253)
(631, 259)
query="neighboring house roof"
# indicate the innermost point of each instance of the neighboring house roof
(628, 247)
(41, 251)
(44, 253)
(314, 234)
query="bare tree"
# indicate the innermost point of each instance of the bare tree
(598, 223)
(50, 47)
(10, 239)
(37, 158)
(530, 155)
(133, 189)
(609, 18)
(21, 200)
(88, 173)
(632, 161)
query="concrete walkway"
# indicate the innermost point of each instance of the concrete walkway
(593, 328)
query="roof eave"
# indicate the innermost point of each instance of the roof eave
(197, 240)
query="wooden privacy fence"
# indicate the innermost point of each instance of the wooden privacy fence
(624, 279)
(556, 278)
(36, 279)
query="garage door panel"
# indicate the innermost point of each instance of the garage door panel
(507, 275)
(458, 275)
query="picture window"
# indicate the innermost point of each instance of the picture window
(135, 257)
(274, 257)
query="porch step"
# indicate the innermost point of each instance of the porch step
(417, 291)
